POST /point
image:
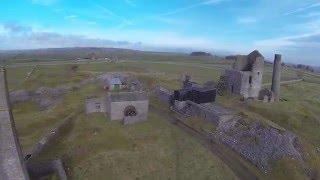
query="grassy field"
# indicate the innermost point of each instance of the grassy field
(96, 148)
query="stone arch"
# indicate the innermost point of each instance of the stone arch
(130, 111)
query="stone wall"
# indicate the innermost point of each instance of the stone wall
(96, 105)
(117, 109)
(209, 112)
(245, 83)
(11, 160)
(40, 170)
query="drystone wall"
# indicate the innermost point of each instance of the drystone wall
(260, 144)
(11, 160)
(51, 136)
(40, 170)
(209, 112)
(46, 97)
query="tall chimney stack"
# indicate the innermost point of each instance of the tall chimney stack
(275, 87)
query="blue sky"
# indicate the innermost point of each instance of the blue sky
(289, 27)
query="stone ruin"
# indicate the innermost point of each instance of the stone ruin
(192, 91)
(128, 103)
(245, 78)
(258, 143)
(12, 163)
(46, 97)
(129, 107)
(119, 82)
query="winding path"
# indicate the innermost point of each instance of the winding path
(239, 166)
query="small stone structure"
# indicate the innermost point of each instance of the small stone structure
(129, 107)
(95, 105)
(245, 78)
(114, 83)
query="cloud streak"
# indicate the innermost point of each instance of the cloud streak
(185, 8)
(246, 20)
(302, 9)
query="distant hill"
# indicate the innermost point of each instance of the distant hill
(61, 53)
(74, 53)
(199, 53)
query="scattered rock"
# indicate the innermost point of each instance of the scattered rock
(259, 144)
(46, 97)
(20, 96)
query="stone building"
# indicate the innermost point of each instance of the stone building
(245, 78)
(128, 107)
(114, 83)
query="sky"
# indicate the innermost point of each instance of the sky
(287, 27)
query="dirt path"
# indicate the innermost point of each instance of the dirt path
(285, 82)
(239, 166)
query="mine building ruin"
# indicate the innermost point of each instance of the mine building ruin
(245, 78)
(128, 107)
(191, 91)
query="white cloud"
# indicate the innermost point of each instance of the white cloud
(170, 21)
(246, 20)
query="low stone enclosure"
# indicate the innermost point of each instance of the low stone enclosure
(47, 97)
(129, 107)
(258, 143)
(12, 163)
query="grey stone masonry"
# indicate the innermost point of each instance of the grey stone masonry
(96, 105)
(11, 160)
(275, 87)
(118, 102)
(245, 78)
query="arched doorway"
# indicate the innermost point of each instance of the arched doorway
(130, 111)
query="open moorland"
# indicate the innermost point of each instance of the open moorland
(92, 147)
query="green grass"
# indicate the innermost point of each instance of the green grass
(95, 147)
